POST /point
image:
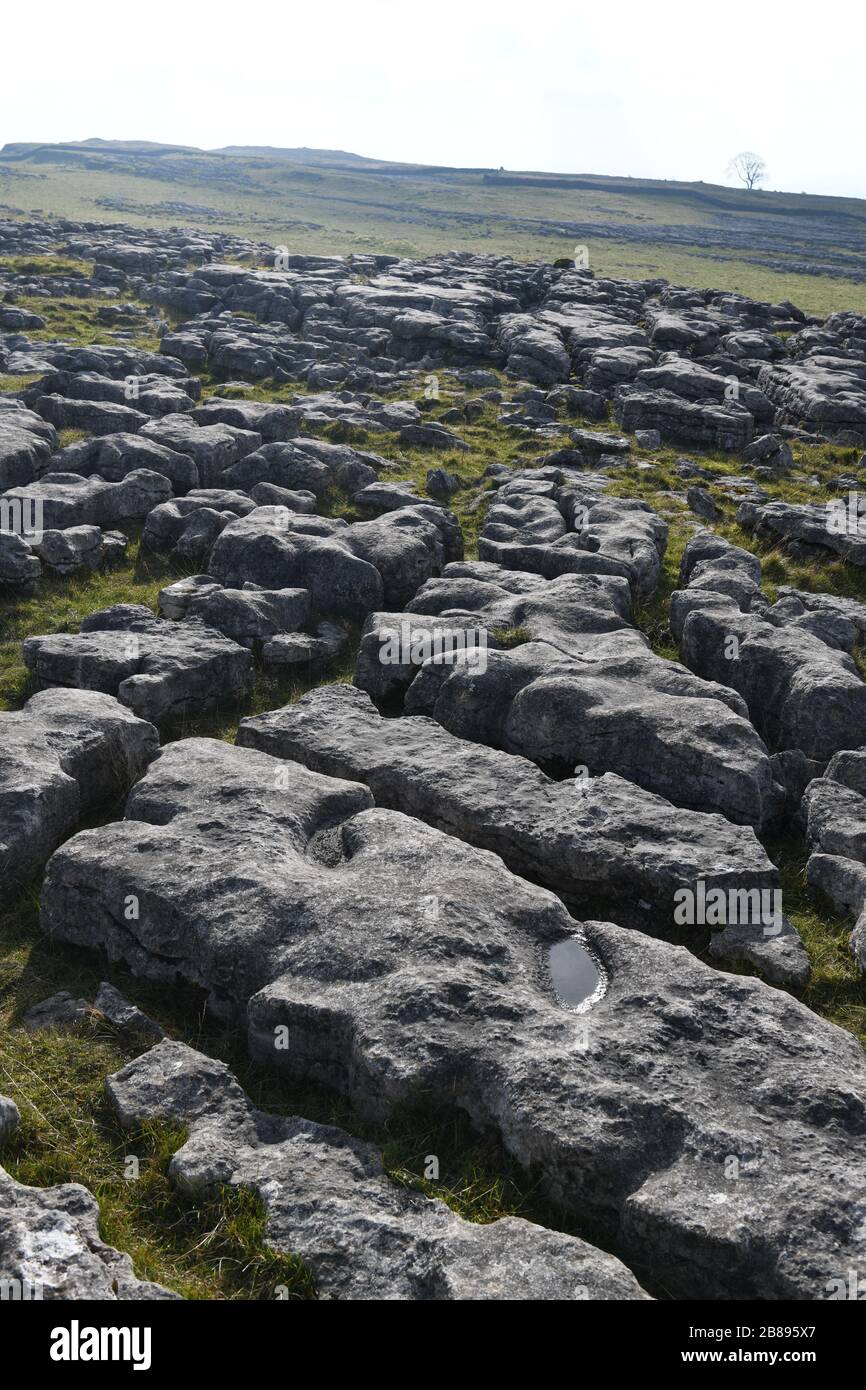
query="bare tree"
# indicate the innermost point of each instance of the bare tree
(749, 168)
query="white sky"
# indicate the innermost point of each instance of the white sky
(665, 89)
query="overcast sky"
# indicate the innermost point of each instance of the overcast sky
(665, 90)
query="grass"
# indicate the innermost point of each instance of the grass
(61, 266)
(75, 321)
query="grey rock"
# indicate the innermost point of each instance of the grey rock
(823, 393)
(214, 448)
(114, 456)
(175, 599)
(387, 997)
(387, 497)
(604, 713)
(361, 1235)
(299, 649)
(119, 1011)
(810, 530)
(648, 439)
(271, 421)
(584, 838)
(801, 693)
(305, 465)
(701, 503)
(62, 1010)
(50, 1246)
(95, 417)
(26, 444)
(594, 443)
(297, 500)
(158, 669)
(65, 754)
(833, 815)
(19, 567)
(166, 525)
(441, 483)
(779, 955)
(715, 425)
(150, 394)
(348, 570)
(66, 552)
(551, 527)
(431, 435)
(250, 616)
(10, 1118)
(67, 499)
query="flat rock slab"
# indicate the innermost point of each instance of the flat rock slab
(581, 837)
(647, 719)
(65, 753)
(361, 1235)
(50, 1247)
(406, 964)
(158, 669)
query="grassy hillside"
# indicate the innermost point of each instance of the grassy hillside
(771, 245)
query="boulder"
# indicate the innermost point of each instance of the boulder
(214, 448)
(67, 499)
(712, 424)
(158, 669)
(833, 815)
(66, 754)
(19, 567)
(114, 456)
